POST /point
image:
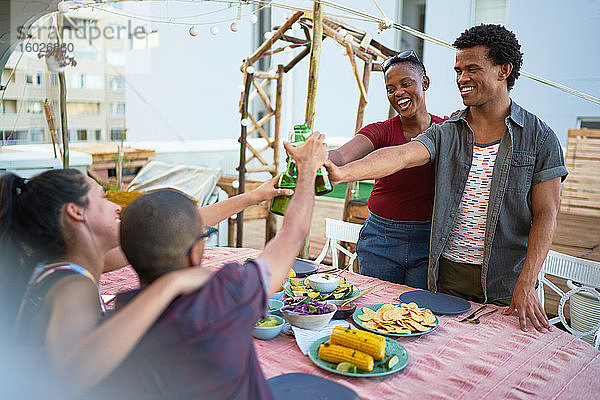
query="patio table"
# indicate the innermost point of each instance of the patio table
(493, 360)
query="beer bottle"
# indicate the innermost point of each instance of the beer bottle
(288, 178)
(322, 182)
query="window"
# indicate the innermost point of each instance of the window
(589, 123)
(76, 108)
(37, 135)
(15, 137)
(489, 12)
(144, 42)
(81, 134)
(86, 53)
(53, 80)
(8, 107)
(98, 135)
(33, 78)
(117, 108)
(34, 107)
(85, 81)
(115, 134)
(6, 72)
(116, 84)
(115, 57)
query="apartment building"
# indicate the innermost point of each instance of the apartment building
(95, 86)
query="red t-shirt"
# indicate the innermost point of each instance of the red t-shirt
(406, 195)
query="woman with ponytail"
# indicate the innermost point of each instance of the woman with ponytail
(55, 231)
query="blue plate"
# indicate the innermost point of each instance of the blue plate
(438, 303)
(376, 307)
(304, 267)
(301, 386)
(355, 291)
(391, 348)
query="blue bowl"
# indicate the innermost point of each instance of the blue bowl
(274, 307)
(268, 333)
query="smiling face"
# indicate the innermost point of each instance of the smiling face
(405, 87)
(479, 80)
(102, 216)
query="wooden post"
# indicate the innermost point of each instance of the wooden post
(313, 81)
(271, 225)
(315, 57)
(62, 96)
(242, 166)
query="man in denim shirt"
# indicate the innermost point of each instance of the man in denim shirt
(498, 173)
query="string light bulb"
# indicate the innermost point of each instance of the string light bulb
(296, 26)
(214, 30)
(63, 7)
(194, 31)
(253, 18)
(250, 69)
(234, 27)
(244, 122)
(268, 35)
(241, 87)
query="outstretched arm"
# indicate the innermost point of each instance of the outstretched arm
(545, 199)
(282, 250)
(353, 150)
(215, 213)
(80, 351)
(380, 163)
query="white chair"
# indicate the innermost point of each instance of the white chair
(339, 231)
(585, 272)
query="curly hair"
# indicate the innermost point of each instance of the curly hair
(503, 46)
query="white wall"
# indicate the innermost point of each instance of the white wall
(559, 40)
(193, 81)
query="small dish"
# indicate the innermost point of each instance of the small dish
(324, 283)
(269, 332)
(311, 322)
(343, 312)
(274, 307)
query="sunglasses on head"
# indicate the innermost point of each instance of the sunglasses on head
(208, 233)
(407, 55)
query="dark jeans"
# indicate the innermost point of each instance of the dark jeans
(463, 280)
(395, 251)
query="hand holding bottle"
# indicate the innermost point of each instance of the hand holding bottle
(311, 155)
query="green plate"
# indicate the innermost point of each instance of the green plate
(355, 291)
(375, 307)
(391, 348)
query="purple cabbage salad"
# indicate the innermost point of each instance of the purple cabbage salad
(305, 306)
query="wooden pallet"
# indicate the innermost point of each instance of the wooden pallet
(104, 161)
(581, 189)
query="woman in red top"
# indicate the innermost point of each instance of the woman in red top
(394, 242)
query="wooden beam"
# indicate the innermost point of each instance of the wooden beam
(313, 69)
(277, 133)
(361, 87)
(278, 33)
(263, 96)
(261, 131)
(242, 165)
(256, 154)
(264, 168)
(262, 121)
(297, 59)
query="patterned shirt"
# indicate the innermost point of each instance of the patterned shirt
(201, 347)
(467, 237)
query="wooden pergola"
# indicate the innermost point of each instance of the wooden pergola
(314, 27)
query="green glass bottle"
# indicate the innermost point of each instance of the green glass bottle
(322, 183)
(287, 180)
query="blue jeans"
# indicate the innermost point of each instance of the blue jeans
(395, 251)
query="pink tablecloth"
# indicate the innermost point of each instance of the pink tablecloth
(493, 360)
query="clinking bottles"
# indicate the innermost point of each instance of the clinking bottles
(288, 178)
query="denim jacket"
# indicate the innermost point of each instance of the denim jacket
(529, 153)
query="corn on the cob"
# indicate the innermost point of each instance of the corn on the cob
(366, 342)
(337, 354)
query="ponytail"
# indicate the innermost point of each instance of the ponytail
(30, 230)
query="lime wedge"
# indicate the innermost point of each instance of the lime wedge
(346, 367)
(391, 361)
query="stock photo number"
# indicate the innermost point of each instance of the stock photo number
(46, 47)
